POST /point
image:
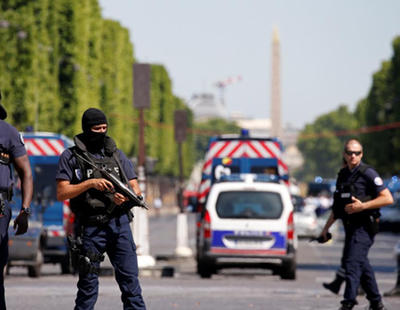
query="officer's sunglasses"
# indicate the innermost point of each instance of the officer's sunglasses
(357, 153)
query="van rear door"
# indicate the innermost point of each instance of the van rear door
(248, 222)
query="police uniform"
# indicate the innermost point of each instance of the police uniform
(11, 146)
(365, 184)
(112, 234)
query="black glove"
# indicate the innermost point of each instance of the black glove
(320, 239)
(21, 221)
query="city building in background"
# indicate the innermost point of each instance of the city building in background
(205, 107)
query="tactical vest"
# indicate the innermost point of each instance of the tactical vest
(349, 186)
(94, 202)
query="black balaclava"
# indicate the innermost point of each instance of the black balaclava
(3, 112)
(90, 118)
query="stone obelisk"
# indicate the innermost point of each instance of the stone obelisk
(276, 125)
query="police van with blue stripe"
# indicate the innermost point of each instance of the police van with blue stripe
(247, 221)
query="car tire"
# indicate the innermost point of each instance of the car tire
(204, 270)
(288, 270)
(35, 270)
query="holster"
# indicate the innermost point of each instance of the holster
(86, 262)
(4, 195)
(80, 261)
(2, 206)
(371, 225)
(74, 246)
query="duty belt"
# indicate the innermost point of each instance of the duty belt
(95, 220)
(101, 219)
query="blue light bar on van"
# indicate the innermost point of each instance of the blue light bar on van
(250, 177)
(267, 178)
(318, 179)
(244, 132)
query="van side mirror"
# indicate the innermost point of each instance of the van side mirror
(192, 204)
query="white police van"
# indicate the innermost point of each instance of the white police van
(247, 222)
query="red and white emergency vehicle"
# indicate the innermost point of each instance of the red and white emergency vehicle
(245, 214)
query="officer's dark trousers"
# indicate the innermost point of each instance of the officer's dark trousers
(4, 222)
(116, 239)
(358, 270)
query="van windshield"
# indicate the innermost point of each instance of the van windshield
(249, 205)
(44, 183)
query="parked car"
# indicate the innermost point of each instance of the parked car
(44, 151)
(390, 217)
(336, 229)
(321, 185)
(305, 220)
(27, 250)
(247, 224)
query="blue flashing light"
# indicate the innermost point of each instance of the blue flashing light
(267, 178)
(244, 132)
(241, 177)
(235, 177)
(318, 179)
(395, 179)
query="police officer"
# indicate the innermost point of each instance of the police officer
(340, 276)
(12, 151)
(359, 195)
(102, 222)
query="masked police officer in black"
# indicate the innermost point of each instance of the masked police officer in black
(359, 195)
(12, 151)
(102, 222)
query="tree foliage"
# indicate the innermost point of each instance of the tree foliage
(381, 142)
(321, 149)
(383, 107)
(60, 57)
(206, 129)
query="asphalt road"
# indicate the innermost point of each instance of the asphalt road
(230, 290)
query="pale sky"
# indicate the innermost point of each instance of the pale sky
(329, 48)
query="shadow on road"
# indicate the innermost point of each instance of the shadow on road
(377, 268)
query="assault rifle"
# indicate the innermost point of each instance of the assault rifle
(119, 186)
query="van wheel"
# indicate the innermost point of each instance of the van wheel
(34, 271)
(288, 270)
(204, 270)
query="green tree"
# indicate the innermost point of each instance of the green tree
(382, 107)
(115, 82)
(60, 57)
(321, 146)
(159, 134)
(204, 130)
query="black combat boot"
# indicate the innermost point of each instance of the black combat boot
(396, 290)
(393, 292)
(346, 305)
(377, 306)
(335, 285)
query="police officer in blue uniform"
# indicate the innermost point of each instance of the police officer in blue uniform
(359, 195)
(12, 151)
(102, 222)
